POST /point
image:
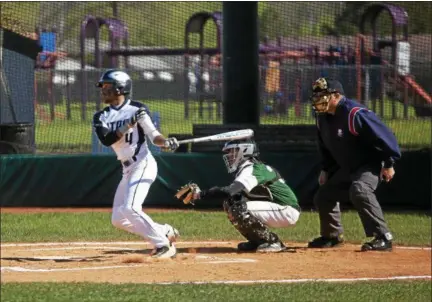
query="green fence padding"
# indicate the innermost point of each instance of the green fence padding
(91, 181)
(57, 181)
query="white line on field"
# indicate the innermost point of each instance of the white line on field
(224, 260)
(58, 257)
(331, 280)
(79, 248)
(295, 280)
(107, 243)
(43, 270)
(144, 244)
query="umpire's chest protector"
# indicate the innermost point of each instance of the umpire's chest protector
(339, 136)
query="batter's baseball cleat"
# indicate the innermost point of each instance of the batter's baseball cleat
(379, 243)
(172, 234)
(164, 252)
(271, 247)
(326, 242)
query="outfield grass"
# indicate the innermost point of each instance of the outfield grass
(408, 228)
(74, 135)
(382, 291)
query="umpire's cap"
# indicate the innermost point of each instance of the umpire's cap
(327, 85)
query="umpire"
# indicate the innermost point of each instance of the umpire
(358, 152)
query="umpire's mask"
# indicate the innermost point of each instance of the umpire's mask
(322, 90)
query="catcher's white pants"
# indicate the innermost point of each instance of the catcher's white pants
(272, 214)
(127, 213)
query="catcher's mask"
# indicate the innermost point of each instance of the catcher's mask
(237, 152)
(323, 89)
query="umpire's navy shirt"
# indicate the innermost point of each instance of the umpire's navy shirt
(355, 136)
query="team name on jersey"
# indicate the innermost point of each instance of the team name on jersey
(117, 124)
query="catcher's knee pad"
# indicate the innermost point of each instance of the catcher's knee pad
(248, 225)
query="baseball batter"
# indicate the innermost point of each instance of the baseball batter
(124, 125)
(258, 198)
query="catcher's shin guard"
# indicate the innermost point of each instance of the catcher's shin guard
(247, 224)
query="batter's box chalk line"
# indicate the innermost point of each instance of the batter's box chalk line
(211, 260)
(43, 270)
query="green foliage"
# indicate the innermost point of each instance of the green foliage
(419, 15)
(163, 23)
(19, 21)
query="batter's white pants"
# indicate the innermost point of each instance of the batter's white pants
(127, 213)
(272, 214)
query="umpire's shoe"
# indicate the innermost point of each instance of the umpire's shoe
(326, 242)
(379, 243)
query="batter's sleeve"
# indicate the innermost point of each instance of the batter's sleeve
(149, 128)
(106, 137)
(372, 130)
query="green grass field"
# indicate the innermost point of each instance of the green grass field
(408, 228)
(74, 135)
(382, 291)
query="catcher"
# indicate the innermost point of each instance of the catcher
(257, 200)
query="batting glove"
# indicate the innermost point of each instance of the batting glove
(171, 143)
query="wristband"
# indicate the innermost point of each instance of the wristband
(389, 163)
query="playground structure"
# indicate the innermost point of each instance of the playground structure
(117, 33)
(394, 79)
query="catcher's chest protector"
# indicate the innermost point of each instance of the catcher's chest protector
(247, 224)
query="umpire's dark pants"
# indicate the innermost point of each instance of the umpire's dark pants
(359, 188)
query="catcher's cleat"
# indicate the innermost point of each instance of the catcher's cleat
(164, 252)
(324, 242)
(271, 247)
(379, 243)
(248, 246)
(172, 234)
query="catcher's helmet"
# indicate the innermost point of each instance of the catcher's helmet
(121, 81)
(322, 89)
(239, 151)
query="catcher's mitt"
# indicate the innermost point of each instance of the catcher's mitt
(186, 193)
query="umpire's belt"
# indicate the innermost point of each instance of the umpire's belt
(129, 162)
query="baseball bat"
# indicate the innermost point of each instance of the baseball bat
(226, 136)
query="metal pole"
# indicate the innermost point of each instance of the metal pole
(240, 57)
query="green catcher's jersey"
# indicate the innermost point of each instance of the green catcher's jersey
(252, 175)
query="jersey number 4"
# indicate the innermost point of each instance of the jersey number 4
(128, 138)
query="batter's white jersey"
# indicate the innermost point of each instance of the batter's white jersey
(133, 143)
(127, 213)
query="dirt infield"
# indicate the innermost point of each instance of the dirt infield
(128, 262)
(200, 262)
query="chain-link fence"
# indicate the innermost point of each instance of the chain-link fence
(175, 62)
